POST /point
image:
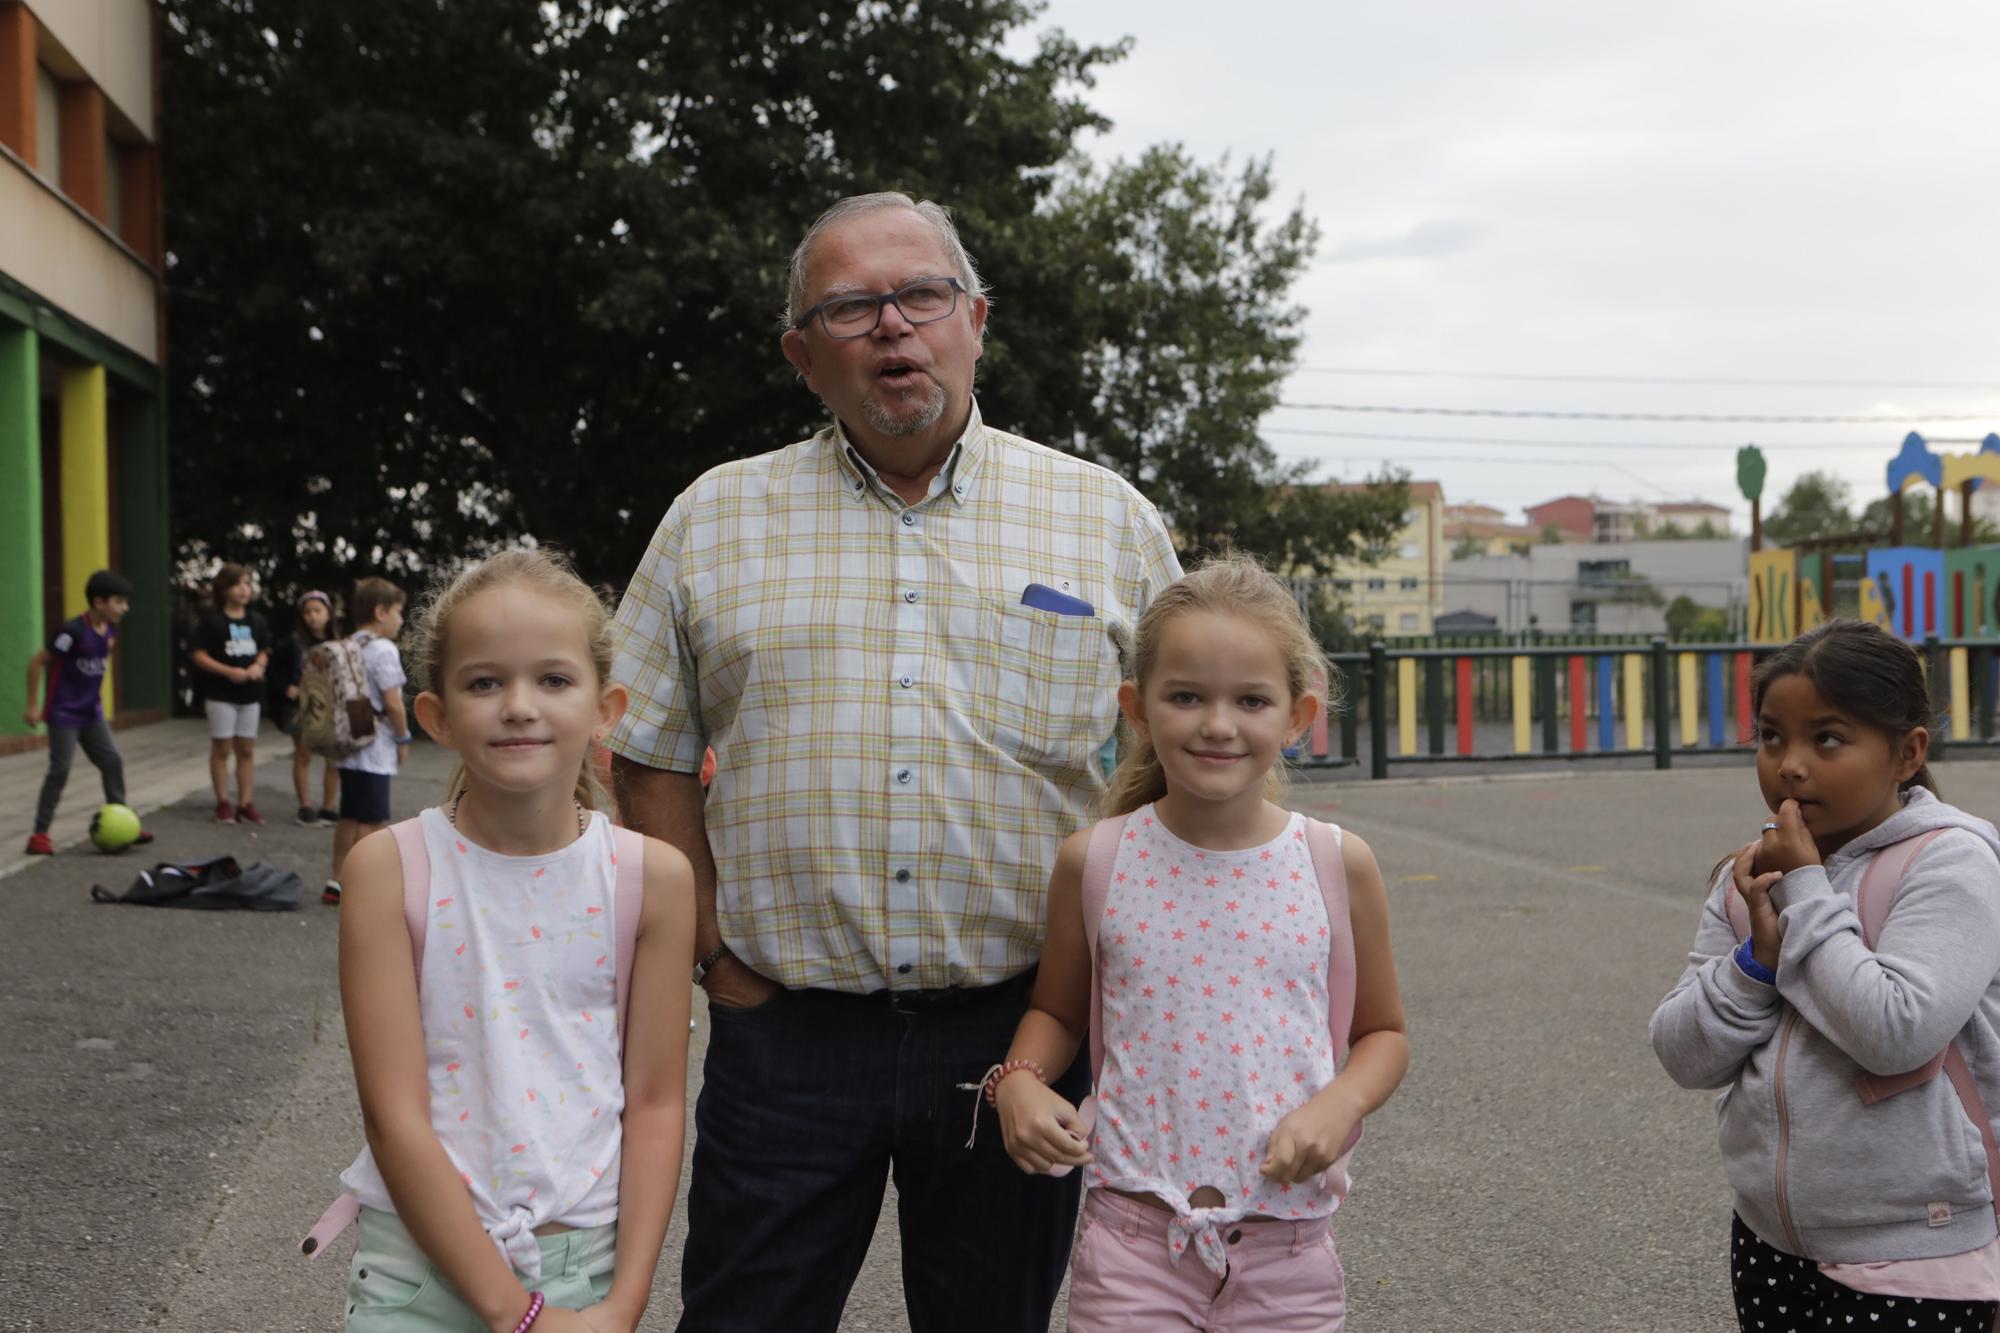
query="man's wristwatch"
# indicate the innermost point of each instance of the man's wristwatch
(714, 956)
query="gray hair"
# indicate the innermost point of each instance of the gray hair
(936, 215)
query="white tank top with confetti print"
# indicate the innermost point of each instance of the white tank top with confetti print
(520, 1018)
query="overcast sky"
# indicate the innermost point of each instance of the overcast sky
(1770, 191)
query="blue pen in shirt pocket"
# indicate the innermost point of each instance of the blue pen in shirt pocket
(1044, 598)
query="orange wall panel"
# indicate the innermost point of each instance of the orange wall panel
(17, 80)
(83, 148)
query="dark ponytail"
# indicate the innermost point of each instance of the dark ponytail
(1865, 672)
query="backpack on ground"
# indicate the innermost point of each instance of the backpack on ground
(336, 717)
(211, 885)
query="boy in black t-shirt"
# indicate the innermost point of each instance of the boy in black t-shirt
(232, 644)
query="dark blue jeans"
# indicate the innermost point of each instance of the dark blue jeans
(808, 1103)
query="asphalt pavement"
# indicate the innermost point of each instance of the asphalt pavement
(177, 1104)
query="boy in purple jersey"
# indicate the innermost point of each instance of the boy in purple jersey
(76, 660)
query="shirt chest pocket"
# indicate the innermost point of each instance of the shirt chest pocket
(1053, 680)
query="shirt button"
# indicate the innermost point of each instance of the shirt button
(1235, 1236)
(907, 681)
(909, 520)
(903, 775)
(910, 596)
(902, 877)
(904, 969)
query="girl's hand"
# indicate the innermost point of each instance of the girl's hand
(1039, 1125)
(1788, 846)
(1755, 889)
(1308, 1141)
(602, 1318)
(555, 1320)
(291, 691)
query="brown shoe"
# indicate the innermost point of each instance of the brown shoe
(247, 814)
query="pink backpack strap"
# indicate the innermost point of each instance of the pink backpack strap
(1883, 880)
(1097, 863)
(1739, 911)
(343, 1212)
(1962, 1083)
(628, 855)
(416, 857)
(1880, 884)
(1323, 842)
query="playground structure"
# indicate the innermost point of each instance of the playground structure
(1914, 592)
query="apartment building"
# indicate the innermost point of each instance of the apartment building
(1404, 594)
(83, 481)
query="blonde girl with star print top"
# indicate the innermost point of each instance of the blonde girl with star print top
(1222, 1119)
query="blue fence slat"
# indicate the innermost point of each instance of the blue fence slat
(1718, 702)
(1607, 705)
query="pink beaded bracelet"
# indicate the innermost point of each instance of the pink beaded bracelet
(534, 1313)
(1001, 1071)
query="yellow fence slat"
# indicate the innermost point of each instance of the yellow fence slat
(1524, 708)
(1961, 696)
(1406, 705)
(1690, 702)
(1635, 702)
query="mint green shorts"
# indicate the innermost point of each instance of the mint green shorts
(393, 1288)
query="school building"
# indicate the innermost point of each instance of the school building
(83, 461)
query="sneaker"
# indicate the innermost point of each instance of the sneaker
(247, 814)
(328, 817)
(225, 813)
(330, 895)
(308, 816)
(39, 845)
(143, 838)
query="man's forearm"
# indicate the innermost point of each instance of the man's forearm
(668, 806)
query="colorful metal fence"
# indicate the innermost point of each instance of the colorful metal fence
(1457, 705)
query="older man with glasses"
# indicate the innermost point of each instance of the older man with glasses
(903, 637)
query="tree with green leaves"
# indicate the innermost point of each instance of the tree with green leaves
(415, 316)
(1816, 505)
(1690, 622)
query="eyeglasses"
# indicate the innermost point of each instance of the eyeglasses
(924, 301)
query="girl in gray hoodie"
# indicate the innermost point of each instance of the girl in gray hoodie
(1860, 1168)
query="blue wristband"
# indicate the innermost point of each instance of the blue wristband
(403, 739)
(1746, 961)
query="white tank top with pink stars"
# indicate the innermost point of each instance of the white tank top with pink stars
(520, 1017)
(1213, 973)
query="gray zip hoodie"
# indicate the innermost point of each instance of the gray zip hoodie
(1815, 1171)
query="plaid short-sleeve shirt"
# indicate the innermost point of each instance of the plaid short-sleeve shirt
(901, 743)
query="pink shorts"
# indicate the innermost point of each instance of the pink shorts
(1283, 1276)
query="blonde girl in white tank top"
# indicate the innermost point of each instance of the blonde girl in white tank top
(523, 1152)
(1219, 1112)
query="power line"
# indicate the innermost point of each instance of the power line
(1702, 380)
(1628, 416)
(1456, 458)
(1884, 447)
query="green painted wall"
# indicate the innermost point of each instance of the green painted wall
(20, 521)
